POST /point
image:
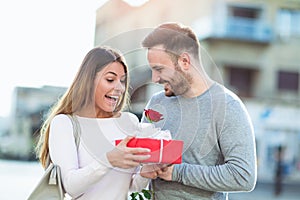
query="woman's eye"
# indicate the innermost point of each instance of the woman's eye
(110, 80)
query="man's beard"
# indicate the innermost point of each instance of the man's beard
(179, 84)
(169, 92)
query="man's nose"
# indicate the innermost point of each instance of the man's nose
(155, 77)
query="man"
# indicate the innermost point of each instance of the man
(219, 147)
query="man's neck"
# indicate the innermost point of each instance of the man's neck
(201, 83)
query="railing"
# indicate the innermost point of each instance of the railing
(237, 28)
(249, 29)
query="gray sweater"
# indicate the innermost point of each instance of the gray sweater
(219, 146)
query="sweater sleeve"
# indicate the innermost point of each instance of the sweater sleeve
(237, 145)
(63, 152)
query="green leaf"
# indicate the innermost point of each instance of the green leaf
(133, 195)
(141, 197)
(146, 193)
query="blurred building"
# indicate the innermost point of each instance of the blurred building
(251, 46)
(28, 109)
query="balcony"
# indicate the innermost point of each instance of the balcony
(235, 28)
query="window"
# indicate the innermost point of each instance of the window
(242, 80)
(244, 12)
(288, 22)
(288, 81)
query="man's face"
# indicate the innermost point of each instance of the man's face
(165, 72)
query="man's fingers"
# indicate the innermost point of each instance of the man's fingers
(152, 175)
(164, 169)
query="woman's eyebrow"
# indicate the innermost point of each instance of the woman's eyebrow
(113, 73)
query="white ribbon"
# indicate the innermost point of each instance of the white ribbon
(161, 150)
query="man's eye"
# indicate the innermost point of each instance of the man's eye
(157, 68)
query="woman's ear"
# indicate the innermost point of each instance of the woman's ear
(184, 61)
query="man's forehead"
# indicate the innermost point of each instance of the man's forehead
(157, 48)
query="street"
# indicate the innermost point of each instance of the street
(265, 191)
(18, 178)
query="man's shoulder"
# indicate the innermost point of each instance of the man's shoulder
(222, 92)
(158, 95)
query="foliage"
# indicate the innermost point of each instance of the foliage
(144, 194)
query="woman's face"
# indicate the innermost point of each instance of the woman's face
(109, 88)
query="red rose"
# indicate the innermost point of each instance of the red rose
(152, 115)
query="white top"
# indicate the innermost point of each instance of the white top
(87, 174)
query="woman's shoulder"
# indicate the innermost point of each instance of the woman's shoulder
(60, 119)
(61, 124)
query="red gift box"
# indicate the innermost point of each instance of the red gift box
(162, 151)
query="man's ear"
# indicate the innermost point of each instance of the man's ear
(184, 61)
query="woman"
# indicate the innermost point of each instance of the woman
(97, 169)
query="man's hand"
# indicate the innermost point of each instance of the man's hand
(157, 170)
(151, 171)
(166, 173)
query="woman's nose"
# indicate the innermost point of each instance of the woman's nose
(120, 86)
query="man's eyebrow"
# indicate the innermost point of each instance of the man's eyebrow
(157, 67)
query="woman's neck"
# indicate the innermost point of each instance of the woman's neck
(92, 113)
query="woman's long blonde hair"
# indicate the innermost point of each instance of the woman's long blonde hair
(81, 92)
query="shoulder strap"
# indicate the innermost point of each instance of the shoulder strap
(76, 133)
(76, 129)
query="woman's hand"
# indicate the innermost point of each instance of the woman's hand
(126, 157)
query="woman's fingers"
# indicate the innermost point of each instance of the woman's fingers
(126, 157)
(137, 154)
(138, 150)
(139, 157)
(124, 142)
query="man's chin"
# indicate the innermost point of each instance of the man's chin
(169, 93)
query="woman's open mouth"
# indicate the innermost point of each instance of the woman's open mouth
(112, 99)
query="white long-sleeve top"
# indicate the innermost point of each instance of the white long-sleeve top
(86, 172)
